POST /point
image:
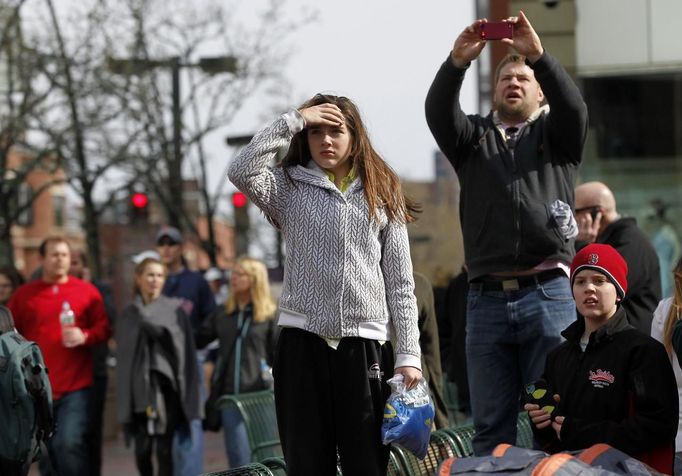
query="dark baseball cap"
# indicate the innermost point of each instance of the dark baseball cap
(169, 232)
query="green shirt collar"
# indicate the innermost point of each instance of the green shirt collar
(346, 181)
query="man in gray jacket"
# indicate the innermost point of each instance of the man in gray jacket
(517, 168)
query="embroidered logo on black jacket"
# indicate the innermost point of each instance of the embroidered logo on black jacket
(375, 372)
(601, 378)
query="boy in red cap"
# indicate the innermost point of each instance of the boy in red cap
(612, 383)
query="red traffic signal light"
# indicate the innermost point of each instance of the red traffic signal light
(239, 200)
(139, 200)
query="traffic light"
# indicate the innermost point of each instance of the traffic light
(139, 207)
(240, 205)
(139, 200)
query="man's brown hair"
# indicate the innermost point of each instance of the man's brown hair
(511, 58)
(49, 240)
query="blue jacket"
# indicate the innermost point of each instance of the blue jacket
(193, 288)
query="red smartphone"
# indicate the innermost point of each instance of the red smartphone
(496, 30)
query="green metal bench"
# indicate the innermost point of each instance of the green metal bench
(395, 465)
(462, 436)
(251, 469)
(441, 447)
(258, 411)
(524, 431)
(276, 465)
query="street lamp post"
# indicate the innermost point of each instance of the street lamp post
(139, 66)
(175, 172)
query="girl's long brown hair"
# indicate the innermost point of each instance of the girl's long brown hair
(381, 184)
(675, 313)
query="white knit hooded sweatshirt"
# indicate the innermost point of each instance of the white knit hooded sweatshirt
(345, 274)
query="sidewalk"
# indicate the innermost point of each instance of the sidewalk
(118, 460)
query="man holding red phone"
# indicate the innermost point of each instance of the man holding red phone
(517, 168)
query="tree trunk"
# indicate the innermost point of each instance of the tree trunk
(91, 222)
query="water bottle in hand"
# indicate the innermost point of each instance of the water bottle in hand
(67, 318)
(266, 374)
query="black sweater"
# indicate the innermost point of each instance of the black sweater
(621, 391)
(258, 343)
(644, 277)
(506, 194)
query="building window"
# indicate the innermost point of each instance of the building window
(636, 116)
(25, 201)
(58, 202)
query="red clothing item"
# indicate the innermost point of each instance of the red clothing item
(36, 307)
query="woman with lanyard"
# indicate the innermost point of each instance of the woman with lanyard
(247, 336)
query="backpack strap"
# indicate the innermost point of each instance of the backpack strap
(43, 409)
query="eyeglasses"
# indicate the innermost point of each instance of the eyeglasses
(593, 209)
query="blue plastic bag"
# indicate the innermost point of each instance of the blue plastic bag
(408, 416)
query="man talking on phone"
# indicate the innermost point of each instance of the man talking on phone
(517, 168)
(599, 222)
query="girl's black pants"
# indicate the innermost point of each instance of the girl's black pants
(331, 401)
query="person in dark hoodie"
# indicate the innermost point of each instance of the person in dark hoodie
(247, 335)
(610, 382)
(157, 375)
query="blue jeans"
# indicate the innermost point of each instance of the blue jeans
(188, 447)
(68, 448)
(509, 334)
(235, 437)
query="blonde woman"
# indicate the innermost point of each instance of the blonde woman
(157, 375)
(247, 334)
(669, 312)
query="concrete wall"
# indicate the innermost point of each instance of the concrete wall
(628, 35)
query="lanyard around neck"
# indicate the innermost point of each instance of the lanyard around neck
(242, 329)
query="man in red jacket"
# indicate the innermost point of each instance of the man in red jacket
(37, 306)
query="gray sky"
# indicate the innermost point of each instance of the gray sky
(383, 55)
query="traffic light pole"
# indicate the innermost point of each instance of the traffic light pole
(240, 206)
(175, 168)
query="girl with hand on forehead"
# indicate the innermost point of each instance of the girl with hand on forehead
(347, 311)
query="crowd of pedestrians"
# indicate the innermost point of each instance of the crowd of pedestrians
(558, 290)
